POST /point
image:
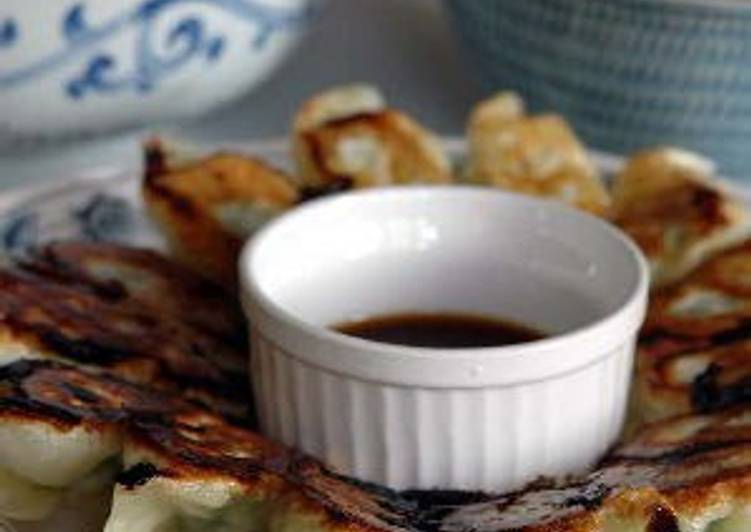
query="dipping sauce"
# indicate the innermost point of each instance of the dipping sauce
(441, 330)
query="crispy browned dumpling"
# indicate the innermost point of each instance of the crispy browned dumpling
(88, 305)
(208, 207)
(346, 136)
(117, 272)
(61, 437)
(688, 474)
(182, 464)
(537, 155)
(715, 298)
(187, 469)
(697, 379)
(184, 467)
(694, 353)
(691, 473)
(667, 201)
(197, 469)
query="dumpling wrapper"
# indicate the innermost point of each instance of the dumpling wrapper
(538, 155)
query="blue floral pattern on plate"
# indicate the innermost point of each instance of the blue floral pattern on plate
(155, 54)
(8, 33)
(104, 217)
(101, 210)
(19, 232)
(99, 217)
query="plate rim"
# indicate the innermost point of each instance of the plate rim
(16, 198)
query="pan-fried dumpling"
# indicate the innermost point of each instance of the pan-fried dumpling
(667, 201)
(56, 434)
(23, 500)
(689, 474)
(536, 155)
(337, 103)
(167, 503)
(694, 350)
(187, 469)
(61, 440)
(194, 473)
(198, 473)
(50, 307)
(347, 137)
(714, 298)
(208, 206)
(121, 273)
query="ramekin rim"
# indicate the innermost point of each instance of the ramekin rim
(627, 316)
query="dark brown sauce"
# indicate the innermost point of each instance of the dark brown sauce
(442, 330)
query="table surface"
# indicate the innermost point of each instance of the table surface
(406, 47)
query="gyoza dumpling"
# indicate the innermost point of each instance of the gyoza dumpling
(667, 201)
(61, 439)
(319, 500)
(51, 309)
(149, 278)
(691, 474)
(715, 298)
(208, 206)
(688, 474)
(198, 473)
(60, 430)
(347, 137)
(694, 352)
(536, 155)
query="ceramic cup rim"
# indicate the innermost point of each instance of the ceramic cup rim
(435, 367)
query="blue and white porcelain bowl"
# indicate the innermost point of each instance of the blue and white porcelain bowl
(627, 73)
(70, 67)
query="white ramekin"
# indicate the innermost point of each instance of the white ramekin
(487, 418)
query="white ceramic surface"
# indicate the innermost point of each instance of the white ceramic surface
(491, 418)
(70, 67)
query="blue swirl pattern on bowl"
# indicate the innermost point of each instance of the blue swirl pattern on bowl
(189, 39)
(627, 73)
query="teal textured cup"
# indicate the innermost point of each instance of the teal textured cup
(627, 73)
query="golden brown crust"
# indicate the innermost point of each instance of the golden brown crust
(695, 380)
(676, 471)
(188, 201)
(696, 343)
(337, 102)
(666, 200)
(52, 309)
(673, 471)
(83, 302)
(182, 442)
(197, 446)
(349, 136)
(694, 467)
(394, 151)
(536, 155)
(66, 396)
(714, 299)
(117, 273)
